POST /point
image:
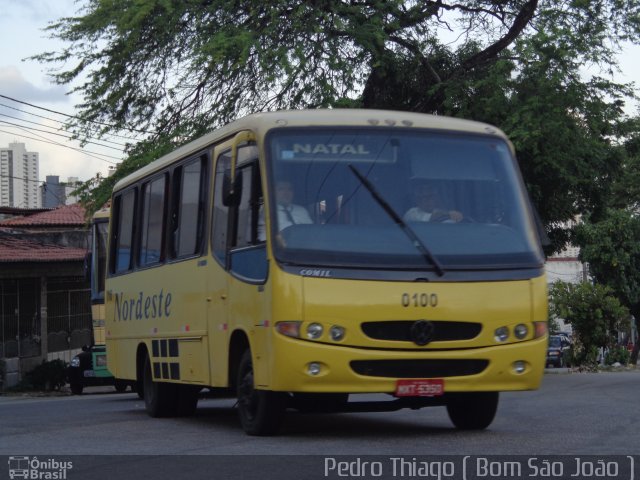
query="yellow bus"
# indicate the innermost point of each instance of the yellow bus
(89, 367)
(97, 266)
(300, 258)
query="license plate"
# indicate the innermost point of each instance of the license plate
(432, 387)
(89, 373)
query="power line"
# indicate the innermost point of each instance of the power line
(56, 128)
(80, 150)
(58, 121)
(24, 127)
(73, 116)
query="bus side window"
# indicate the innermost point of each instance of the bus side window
(123, 235)
(250, 207)
(248, 254)
(188, 208)
(152, 222)
(220, 222)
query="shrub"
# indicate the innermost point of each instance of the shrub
(617, 354)
(47, 376)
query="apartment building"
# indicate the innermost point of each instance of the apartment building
(19, 170)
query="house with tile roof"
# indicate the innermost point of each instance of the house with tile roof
(45, 306)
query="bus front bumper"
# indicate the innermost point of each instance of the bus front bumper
(306, 366)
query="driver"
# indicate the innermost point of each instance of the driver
(427, 207)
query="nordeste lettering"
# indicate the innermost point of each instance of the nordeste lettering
(142, 306)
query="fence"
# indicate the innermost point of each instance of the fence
(69, 323)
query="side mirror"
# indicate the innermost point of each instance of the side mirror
(86, 348)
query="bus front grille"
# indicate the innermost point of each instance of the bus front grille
(418, 368)
(400, 330)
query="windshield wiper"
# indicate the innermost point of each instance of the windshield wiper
(417, 242)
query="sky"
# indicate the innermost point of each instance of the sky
(21, 35)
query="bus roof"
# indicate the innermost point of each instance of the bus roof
(103, 213)
(260, 123)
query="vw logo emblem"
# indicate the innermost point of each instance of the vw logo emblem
(422, 332)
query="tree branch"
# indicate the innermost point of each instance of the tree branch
(491, 52)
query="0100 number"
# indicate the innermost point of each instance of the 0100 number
(419, 300)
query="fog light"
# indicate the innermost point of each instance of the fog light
(501, 334)
(314, 331)
(314, 368)
(521, 331)
(519, 366)
(337, 333)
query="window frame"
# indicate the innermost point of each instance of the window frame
(163, 237)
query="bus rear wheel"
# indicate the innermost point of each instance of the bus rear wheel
(473, 410)
(260, 411)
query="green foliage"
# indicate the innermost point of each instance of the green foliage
(611, 246)
(50, 375)
(617, 354)
(594, 313)
(177, 69)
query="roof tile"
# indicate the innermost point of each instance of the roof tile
(14, 249)
(66, 215)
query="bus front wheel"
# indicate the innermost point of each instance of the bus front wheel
(473, 410)
(159, 397)
(260, 411)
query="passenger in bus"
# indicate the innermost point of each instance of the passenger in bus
(288, 212)
(427, 207)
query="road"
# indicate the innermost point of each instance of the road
(569, 414)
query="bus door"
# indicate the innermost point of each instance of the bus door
(237, 280)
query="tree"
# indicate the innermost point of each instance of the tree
(612, 249)
(177, 69)
(594, 313)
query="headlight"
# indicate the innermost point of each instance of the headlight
(337, 333)
(520, 331)
(501, 334)
(75, 362)
(314, 331)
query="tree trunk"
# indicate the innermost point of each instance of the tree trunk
(636, 343)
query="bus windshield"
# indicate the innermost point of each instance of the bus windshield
(99, 259)
(459, 193)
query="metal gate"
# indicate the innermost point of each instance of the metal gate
(69, 323)
(20, 317)
(68, 314)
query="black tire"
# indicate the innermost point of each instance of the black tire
(472, 411)
(260, 411)
(120, 386)
(160, 399)
(76, 388)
